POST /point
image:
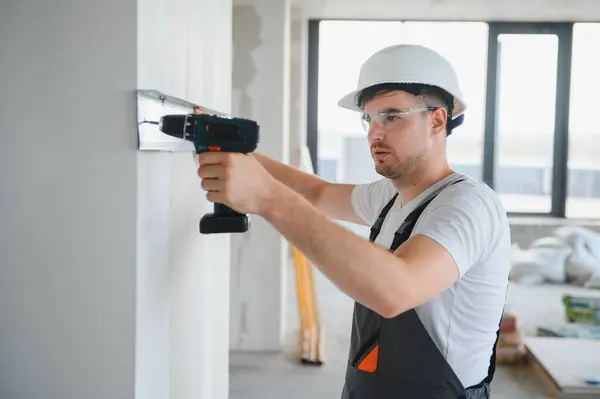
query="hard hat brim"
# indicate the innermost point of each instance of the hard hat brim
(349, 102)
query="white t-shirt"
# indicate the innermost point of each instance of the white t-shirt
(468, 219)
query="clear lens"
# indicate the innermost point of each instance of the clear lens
(364, 123)
(386, 120)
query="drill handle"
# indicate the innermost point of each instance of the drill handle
(224, 209)
(224, 220)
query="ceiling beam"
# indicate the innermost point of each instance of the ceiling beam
(454, 10)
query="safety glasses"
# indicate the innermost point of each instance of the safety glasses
(387, 119)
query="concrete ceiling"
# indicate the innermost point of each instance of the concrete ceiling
(464, 10)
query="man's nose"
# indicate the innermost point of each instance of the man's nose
(376, 132)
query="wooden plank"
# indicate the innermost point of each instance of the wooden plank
(563, 364)
(311, 332)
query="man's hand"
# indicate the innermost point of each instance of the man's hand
(237, 180)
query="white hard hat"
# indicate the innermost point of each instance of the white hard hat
(407, 63)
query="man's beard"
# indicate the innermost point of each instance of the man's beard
(398, 170)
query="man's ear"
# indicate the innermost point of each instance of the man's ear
(439, 120)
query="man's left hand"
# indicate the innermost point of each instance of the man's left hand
(236, 180)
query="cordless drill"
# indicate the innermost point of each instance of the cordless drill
(215, 133)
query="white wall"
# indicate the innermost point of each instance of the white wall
(184, 49)
(107, 290)
(261, 89)
(67, 199)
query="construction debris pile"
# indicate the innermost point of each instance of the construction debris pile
(571, 255)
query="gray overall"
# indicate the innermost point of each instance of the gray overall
(396, 358)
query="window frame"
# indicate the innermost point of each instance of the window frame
(564, 32)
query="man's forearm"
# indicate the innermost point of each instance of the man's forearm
(306, 184)
(367, 273)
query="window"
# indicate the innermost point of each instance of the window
(530, 130)
(343, 47)
(583, 199)
(525, 121)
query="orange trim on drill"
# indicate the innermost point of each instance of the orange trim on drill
(213, 148)
(369, 363)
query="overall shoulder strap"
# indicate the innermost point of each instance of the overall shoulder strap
(376, 228)
(406, 228)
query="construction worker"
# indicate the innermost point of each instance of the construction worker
(429, 294)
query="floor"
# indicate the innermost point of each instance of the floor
(278, 375)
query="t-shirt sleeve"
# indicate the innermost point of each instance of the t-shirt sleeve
(465, 222)
(368, 199)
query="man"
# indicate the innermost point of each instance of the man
(429, 292)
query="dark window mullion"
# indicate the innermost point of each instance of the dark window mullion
(491, 112)
(561, 133)
(312, 125)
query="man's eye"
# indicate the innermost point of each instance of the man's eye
(391, 118)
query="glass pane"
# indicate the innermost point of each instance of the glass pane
(525, 124)
(345, 45)
(583, 195)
